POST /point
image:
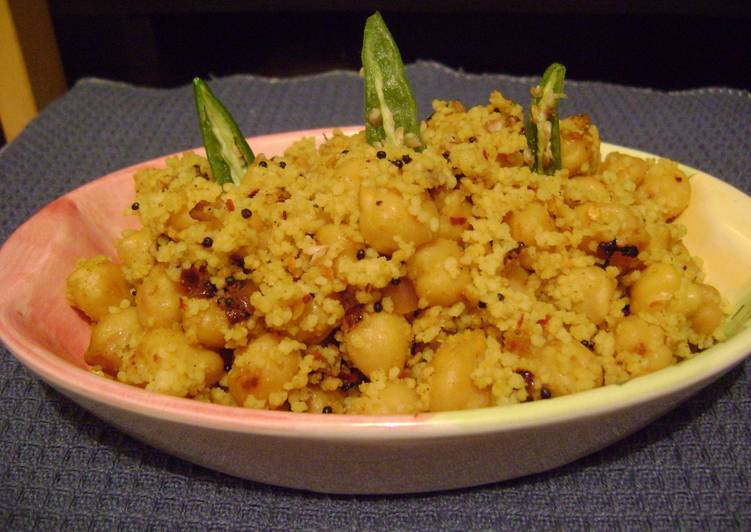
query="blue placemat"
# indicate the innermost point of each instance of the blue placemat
(61, 468)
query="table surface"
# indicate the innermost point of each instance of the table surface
(62, 468)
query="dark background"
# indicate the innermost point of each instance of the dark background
(664, 45)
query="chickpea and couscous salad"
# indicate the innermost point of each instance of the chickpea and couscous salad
(460, 263)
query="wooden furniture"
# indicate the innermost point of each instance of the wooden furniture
(31, 74)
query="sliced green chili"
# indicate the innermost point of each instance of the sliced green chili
(390, 108)
(740, 316)
(542, 125)
(226, 149)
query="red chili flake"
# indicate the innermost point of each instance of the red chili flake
(307, 298)
(351, 377)
(283, 195)
(622, 257)
(458, 220)
(236, 303)
(201, 211)
(544, 321)
(505, 159)
(352, 317)
(230, 205)
(195, 282)
(520, 321)
(253, 193)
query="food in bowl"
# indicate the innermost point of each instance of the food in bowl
(350, 278)
(484, 259)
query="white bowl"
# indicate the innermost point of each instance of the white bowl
(345, 454)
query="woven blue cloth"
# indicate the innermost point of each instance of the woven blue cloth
(62, 468)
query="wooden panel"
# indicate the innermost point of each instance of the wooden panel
(31, 74)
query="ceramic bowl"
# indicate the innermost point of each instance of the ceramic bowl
(345, 454)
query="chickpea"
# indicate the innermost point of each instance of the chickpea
(451, 385)
(396, 398)
(158, 300)
(319, 399)
(580, 145)
(668, 186)
(610, 221)
(180, 220)
(262, 368)
(209, 325)
(349, 172)
(526, 223)
(516, 275)
(585, 188)
(314, 323)
(455, 212)
(641, 347)
(708, 315)
(165, 362)
(95, 285)
(333, 235)
(380, 341)
(134, 248)
(626, 167)
(437, 275)
(402, 295)
(595, 291)
(686, 299)
(113, 336)
(568, 368)
(342, 247)
(655, 289)
(384, 215)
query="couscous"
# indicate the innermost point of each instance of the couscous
(365, 279)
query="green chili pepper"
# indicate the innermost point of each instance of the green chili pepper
(740, 316)
(226, 149)
(542, 125)
(390, 108)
